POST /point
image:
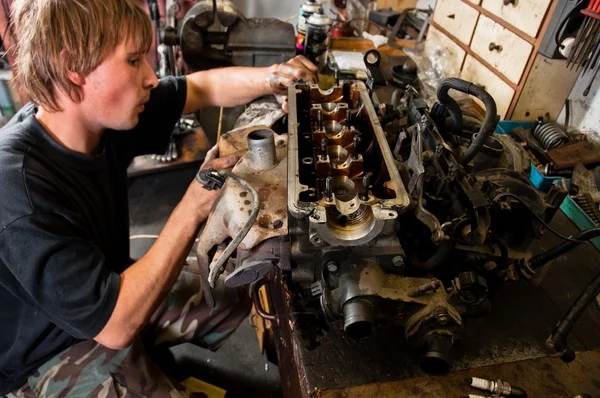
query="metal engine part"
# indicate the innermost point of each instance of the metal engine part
(264, 168)
(411, 237)
(245, 42)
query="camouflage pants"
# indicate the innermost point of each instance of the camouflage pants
(89, 369)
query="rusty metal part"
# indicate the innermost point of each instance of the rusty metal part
(567, 156)
(233, 207)
(364, 279)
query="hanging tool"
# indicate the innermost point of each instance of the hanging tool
(586, 48)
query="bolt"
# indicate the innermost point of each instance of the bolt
(489, 266)
(442, 319)
(398, 261)
(331, 266)
(355, 142)
(320, 119)
(348, 116)
(364, 192)
(329, 188)
(323, 148)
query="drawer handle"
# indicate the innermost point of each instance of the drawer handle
(494, 46)
(507, 2)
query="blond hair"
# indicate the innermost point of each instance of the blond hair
(55, 37)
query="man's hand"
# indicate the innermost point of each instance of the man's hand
(283, 75)
(203, 197)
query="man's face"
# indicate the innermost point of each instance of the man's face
(115, 92)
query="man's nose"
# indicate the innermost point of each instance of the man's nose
(150, 79)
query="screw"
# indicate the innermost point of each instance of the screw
(398, 261)
(331, 266)
(442, 319)
(348, 116)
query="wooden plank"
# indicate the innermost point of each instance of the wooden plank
(526, 15)
(455, 53)
(544, 92)
(497, 19)
(474, 71)
(512, 56)
(536, 46)
(457, 18)
(476, 56)
(397, 5)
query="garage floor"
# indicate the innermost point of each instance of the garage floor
(238, 366)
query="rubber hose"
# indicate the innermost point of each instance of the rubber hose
(396, 95)
(543, 258)
(216, 268)
(558, 338)
(439, 256)
(452, 107)
(489, 122)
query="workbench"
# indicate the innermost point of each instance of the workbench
(508, 343)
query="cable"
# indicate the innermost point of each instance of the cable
(216, 266)
(134, 237)
(537, 217)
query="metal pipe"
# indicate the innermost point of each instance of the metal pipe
(261, 150)
(358, 317)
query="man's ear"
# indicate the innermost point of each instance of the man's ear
(77, 78)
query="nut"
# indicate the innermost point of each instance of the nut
(442, 319)
(331, 266)
(398, 261)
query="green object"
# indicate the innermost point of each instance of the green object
(579, 218)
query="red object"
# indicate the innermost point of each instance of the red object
(341, 29)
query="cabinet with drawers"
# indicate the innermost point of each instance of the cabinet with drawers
(494, 43)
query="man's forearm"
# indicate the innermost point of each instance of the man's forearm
(145, 283)
(227, 87)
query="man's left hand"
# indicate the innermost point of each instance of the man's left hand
(286, 74)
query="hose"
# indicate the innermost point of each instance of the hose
(550, 135)
(396, 95)
(489, 122)
(217, 266)
(582, 237)
(558, 338)
(438, 258)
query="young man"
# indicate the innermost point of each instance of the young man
(72, 306)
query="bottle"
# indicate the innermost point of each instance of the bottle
(306, 10)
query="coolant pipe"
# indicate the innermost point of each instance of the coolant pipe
(489, 122)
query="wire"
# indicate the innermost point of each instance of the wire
(216, 266)
(537, 217)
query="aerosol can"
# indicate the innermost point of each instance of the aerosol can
(317, 36)
(306, 10)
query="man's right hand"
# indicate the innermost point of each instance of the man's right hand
(203, 197)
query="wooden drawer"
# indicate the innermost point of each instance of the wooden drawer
(456, 54)
(526, 15)
(457, 18)
(474, 71)
(511, 59)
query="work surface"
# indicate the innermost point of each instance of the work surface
(523, 315)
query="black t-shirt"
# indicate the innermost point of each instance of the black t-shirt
(64, 231)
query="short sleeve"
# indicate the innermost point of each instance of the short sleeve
(59, 273)
(156, 123)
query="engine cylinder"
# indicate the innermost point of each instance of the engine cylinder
(261, 150)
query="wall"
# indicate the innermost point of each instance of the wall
(585, 111)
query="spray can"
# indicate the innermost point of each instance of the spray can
(317, 36)
(306, 10)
